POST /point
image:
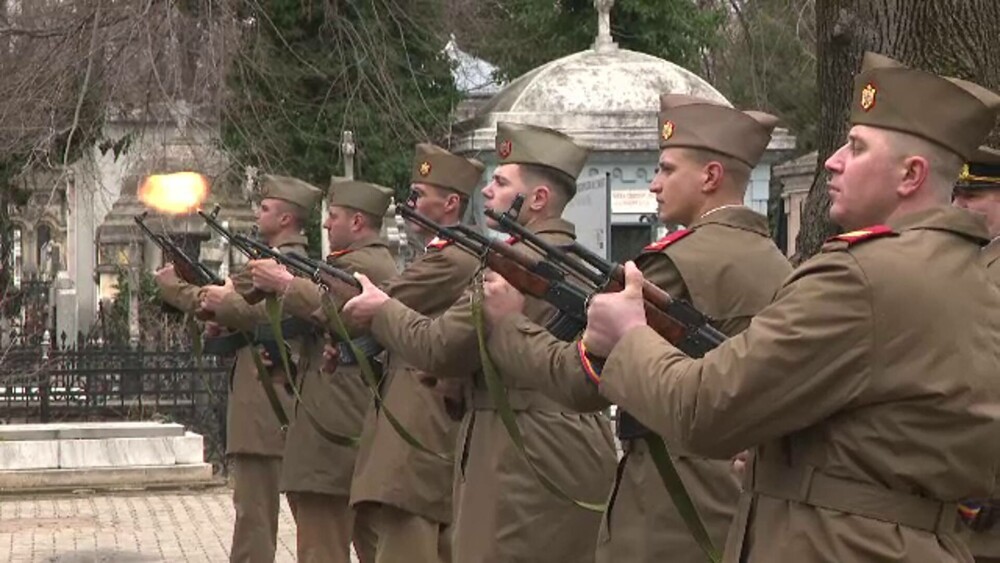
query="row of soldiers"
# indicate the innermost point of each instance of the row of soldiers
(851, 415)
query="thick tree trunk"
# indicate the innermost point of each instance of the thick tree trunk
(950, 37)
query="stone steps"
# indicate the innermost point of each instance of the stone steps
(100, 455)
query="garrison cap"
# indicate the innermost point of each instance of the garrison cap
(697, 123)
(951, 112)
(981, 171)
(529, 144)
(289, 189)
(434, 165)
(363, 196)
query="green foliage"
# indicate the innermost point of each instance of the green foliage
(157, 324)
(523, 34)
(307, 71)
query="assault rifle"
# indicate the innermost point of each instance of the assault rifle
(530, 275)
(676, 321)
(239, 242)
(188, 269)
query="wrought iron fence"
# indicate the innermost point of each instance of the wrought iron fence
(45, 381)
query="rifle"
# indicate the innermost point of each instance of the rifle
(675, 320)
(530, 275)
(188, 269)
(238, 242)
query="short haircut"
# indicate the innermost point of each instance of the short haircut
(463, 200)
(299, 214)
(945, 165)
(535, 175)
(736, 171)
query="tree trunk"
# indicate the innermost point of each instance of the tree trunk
(948, 37)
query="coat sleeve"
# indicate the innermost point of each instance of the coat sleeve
(802, 358)
(445, 345)
(531, 356)
(178, 293)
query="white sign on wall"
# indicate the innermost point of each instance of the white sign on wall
(589, 211)
(633, 201)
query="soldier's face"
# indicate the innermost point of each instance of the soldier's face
(339, 227)
(502, 189)
(985, 202)
(863, 179)
(432, 202)
(272, 215)
(677, 186)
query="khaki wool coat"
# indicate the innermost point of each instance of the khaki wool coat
(502, 511)
(987, 543)
(251, 424)
(389, 470)
(336, 402)
(725, 265)
(869, 387)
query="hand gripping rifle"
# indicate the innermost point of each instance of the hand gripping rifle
(239, 242)
(530, 275)
(677, 321)
(188, 269)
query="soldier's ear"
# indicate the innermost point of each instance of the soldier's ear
(714, 173)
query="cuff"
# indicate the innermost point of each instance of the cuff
(592, 365)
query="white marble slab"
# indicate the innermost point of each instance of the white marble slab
(189, 448)
(88, 430)
(29, 454)
(116, 452)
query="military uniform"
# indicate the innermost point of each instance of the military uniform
(983, 173)
(865, 388)
(725, 264)
(405, 493)
(503, 512)
(316, 473)
(254, 439)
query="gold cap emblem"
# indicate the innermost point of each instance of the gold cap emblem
(868, 96)
(667, 131)
(425, 168)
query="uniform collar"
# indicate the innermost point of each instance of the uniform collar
(371, 240)
(992, 251)
(552, 225)
(944, 218)
(293, 239)
(736, 216)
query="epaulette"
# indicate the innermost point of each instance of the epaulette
(861, 235)
(437, 243)
(667, 240)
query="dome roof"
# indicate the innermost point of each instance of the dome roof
(606, 98)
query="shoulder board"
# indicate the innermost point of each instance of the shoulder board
(438, 243)
(667, 240)
(339, 253)
(862, 235)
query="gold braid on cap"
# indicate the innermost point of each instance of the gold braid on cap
(967, 176)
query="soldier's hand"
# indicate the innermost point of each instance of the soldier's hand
(739, 464)
(361, 309)
(331, 358)
(611, 315)
(211, 296)
(270, 276)
(165, 273)
(212, 329)
(500, 299)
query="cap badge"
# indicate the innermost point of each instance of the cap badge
(667, 131)
(965, 174)
(868, 96)
(505, 148)
(425, 168)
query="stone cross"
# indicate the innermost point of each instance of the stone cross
(604, 41)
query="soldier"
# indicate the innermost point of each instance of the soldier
(403, 494)
(869, 385)
(316, 472)
(254, 438)
(978, 190)
(724, 263)
(503, 511)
